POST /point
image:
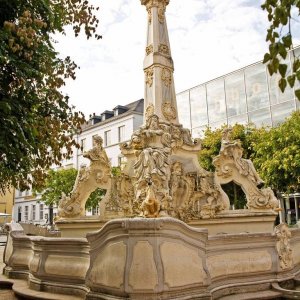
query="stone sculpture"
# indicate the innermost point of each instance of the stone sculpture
(230, 166)
(97, 175)
(162, 175)
(283, 247)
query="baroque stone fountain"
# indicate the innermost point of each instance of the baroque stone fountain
(165, 230)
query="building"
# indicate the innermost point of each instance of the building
(248, 95)
(6, 205)
(114, 127)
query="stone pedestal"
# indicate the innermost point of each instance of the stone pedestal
(237, 221)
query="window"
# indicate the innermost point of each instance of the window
(82, 144)
(95, 211)
(107, 140)
(121, 133)
(19, 213)
(33, 212)
(216, 101)
(26, 213)
(41, 211)
(256, 87)
(235, 94)
(20, 193)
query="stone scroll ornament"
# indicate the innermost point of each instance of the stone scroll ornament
(231, 166)
(283, 247)
(97, 175)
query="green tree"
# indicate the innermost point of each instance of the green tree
(276, 154)
(62, 181)
(36, 118)
(281, 14)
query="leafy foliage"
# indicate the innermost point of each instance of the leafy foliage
(62, 181)
(36, 118)
(277, 154)
(279, 35)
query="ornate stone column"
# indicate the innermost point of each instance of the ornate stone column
(160, 97)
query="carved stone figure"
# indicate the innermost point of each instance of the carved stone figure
(230, 166)
(97, 175)
(283, 246)
(150, 207)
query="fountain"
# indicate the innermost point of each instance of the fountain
(165, 230)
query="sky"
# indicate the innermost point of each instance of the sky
(208, 38)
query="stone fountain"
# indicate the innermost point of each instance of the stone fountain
(165, 230)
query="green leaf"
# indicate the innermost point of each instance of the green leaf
(282, 50)
(282, 69)
(267, 57)
(282, 84)
(291, 80)
(270, 69)
(297, 93)
(287, 41)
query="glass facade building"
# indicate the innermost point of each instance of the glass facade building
(248, 95)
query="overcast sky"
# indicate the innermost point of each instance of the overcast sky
(209, 38)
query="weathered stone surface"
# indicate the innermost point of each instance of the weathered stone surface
(143, 273)
(239, 263)
(66, 265)
(109, 266)
(182, 265)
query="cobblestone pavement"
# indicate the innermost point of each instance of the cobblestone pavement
(5, 293)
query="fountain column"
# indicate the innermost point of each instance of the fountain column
(160, 97)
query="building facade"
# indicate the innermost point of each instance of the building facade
(115, 127)
(248, 95)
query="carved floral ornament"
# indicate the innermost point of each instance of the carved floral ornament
(166, 76)
(169, 111)
(149, 15)
(164, 49)
(149, 76)
(149, 49)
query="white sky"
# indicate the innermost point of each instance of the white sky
(209, 38)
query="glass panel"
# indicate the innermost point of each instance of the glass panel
(276, 96)
(261, 117)
(256, 87)
(198, 106)
(235, 94)
(216, 100)
(184, 109)
(241, 119)
(217, 125)
(281, 111)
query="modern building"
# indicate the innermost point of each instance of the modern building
(115, 127)
(248, 95)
